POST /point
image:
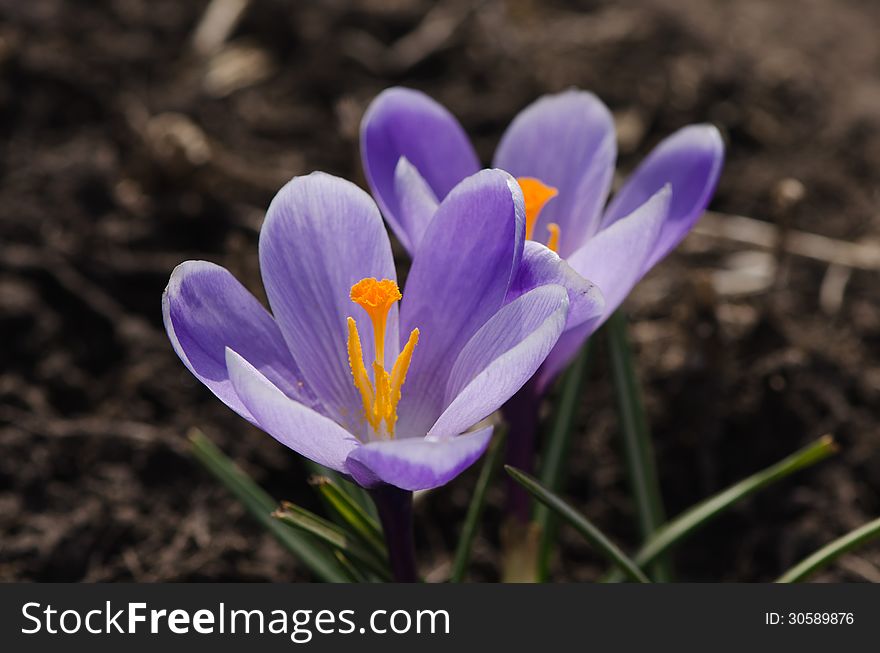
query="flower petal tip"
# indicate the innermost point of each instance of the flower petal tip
(417, 463)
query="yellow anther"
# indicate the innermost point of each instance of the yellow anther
(359, 372)
(381, 396)
(536, 194)
(553, 241)
(398, 373)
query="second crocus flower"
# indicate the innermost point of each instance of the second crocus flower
(562, 150)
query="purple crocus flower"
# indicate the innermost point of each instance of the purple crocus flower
(340, 375)
(562, 150)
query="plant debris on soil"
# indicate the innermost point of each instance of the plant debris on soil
(135, 134)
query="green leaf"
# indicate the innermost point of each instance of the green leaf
(830, 552)
(475, 509)
(556, 451)
(697, 516)
(334, 535)
(593, 535)
(357, 575)
(355, 492)
(351, 514)
(636, 438)
(312, 553)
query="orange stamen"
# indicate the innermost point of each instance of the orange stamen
(381, 396)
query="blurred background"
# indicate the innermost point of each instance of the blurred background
(135, 134)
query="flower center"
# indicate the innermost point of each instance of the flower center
(536, 194)
(381, 395)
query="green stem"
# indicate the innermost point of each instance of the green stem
(637, 449)
(830, 552)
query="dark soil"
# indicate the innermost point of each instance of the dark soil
(125, 151)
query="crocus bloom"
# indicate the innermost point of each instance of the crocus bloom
(348, 371)
(562, 150)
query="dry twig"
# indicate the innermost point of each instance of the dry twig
(748, 231)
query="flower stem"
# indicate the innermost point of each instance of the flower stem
(521, 415)
(395, 512)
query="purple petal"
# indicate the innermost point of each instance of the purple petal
(205, 310)
(417, 203)
(501, 357)
(321, 236)
(564, 351)
(310, 434)
(566, 141)
(417, 463)
(458, 280)
(615, 259)
(540, 267)
(690, 161)
(403, 122)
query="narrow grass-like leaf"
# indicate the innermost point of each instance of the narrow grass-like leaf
(593, 535)
(830, 552)
(357, 575)
(355, 492)
(697, 516)
(351, 513)
(311, 552)
(334, 535)
(636, 439)
(555, 452)
(475, 509)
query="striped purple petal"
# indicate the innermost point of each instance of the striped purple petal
(540, 267)
(402, 122)
(615, 258)
(417, 463)
(417, 203)
(690, 161)
(458, 280)
(307, 432)
(499, 359)
(566, 141)
(206, 310)
(322, 235)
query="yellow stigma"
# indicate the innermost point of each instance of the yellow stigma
(376, 298)
(381, 396)
(536, 194)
